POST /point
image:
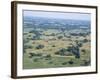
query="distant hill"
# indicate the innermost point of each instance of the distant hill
(41, 22)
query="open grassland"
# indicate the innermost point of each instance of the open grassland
(53, 48)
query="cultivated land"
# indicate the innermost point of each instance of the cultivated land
(50, 43)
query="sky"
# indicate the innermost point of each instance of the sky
(58, 15)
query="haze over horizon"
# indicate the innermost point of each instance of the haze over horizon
(58, 15)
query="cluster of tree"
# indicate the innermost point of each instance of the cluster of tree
(50, 62)
(85, 40)
(75, 50)
(52, 34)
(47, 57)
(35, 59)
(35, 37)
(40, 46)
(64, 63)
(34, 54)
(60, 37)
(68, 62)
(38, 56)
(83, 50)
(28, 38)
(69, 51)
(34, 31)
(37, 34)
(61, 52)
(85, 63)
(68, 36)
(79, 43)
(28, 47)
(78, 34)
(24, 33)
(71, 61)
(53, 46)
(25, 41)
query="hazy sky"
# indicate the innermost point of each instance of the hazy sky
(61, 15)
